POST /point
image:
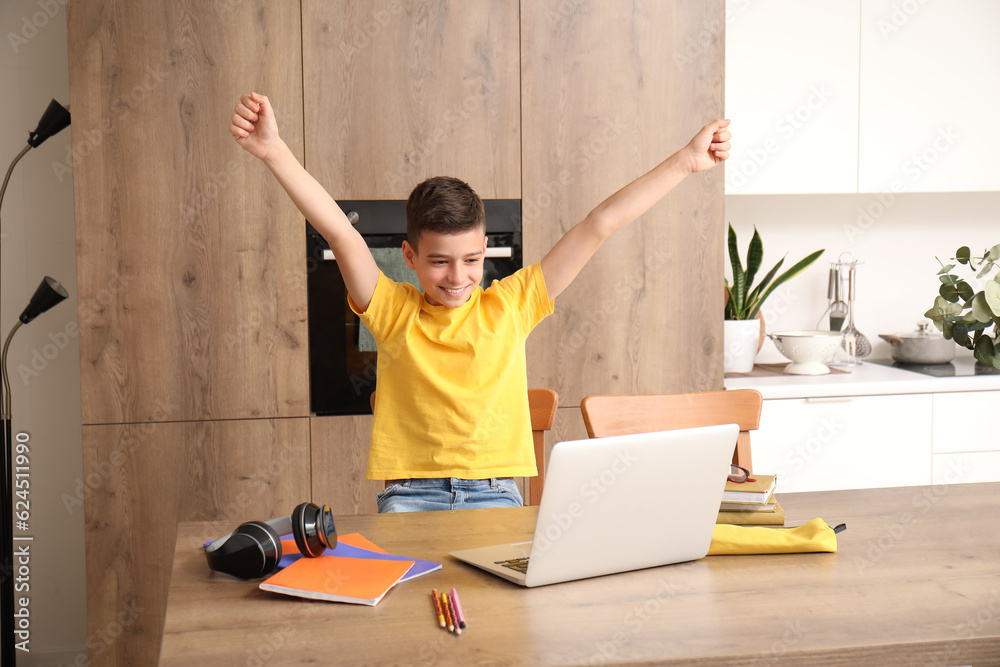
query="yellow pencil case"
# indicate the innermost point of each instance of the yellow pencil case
(816, 535)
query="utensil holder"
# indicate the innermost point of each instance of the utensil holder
(843, 282)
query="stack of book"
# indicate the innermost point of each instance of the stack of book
(751, 503)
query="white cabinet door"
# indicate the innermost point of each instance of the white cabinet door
(845, 443)
(928, 85)
(958, 457)
(792, 94)
(899, 105)
(966, 467)
(961, 414)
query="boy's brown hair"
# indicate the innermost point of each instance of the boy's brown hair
(444, 205)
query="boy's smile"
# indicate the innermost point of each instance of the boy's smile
(449, 266)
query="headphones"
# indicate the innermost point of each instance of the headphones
(254, 548)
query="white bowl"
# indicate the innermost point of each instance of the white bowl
(808, 350)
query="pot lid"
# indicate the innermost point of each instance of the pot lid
(923, 332)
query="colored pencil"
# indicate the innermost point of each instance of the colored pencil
(454, 615)
(447, 612)
(458, 608)
(437, 606)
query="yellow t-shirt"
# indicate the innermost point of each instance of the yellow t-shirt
(452, 396)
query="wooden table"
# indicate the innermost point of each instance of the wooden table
(916, 582)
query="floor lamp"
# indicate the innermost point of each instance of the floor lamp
(48, 294)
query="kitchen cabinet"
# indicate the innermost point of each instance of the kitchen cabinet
(925, 68)
(141, 480)
(792, 92)
(875, 426)
(397, 91)
(190, 264)
(192, 295)
(889, 96)
(956, 415)
(339, 460)
(959, 455)
(845, 442)
(608, 91)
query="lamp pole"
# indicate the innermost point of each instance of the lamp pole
(49, 293)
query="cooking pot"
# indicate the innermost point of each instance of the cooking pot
(922, 346)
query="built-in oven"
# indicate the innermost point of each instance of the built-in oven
(342, 358)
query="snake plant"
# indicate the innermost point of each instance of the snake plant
(742, 301)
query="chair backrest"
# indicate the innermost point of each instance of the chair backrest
(542, 404)
(621, 415)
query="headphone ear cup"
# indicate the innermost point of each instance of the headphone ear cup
(252, 551)
(311, 527)
(270, 544)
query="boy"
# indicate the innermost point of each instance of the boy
(452, 425)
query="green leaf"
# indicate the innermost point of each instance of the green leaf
(947, 327)
(738, 292)
(784, 277)
(755, 294)
(965, 291)
(985, 351)
(948, 279)
(942, 309)
(946, 269)
(755, 255)
(978, 326)
(949, 293)
(992, 296)
(980, 309)
(987, 267)
(963, 254)
(993, 254)
(960, 333)
(730, 313)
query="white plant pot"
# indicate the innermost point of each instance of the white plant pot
(739, 345)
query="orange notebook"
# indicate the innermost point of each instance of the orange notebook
(337, 579)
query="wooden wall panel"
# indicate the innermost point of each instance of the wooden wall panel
(191, 260)
(339, 461)
(141, 479)
(609, 90)
(400, 90)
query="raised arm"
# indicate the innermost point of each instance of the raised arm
(255, 129)
(571, 253)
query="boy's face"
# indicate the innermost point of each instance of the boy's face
(449, 266)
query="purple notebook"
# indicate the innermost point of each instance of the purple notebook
(420, 567)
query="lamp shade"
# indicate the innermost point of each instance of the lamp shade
(48, 294)
(54, 120)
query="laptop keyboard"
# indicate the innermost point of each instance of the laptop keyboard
(517, 564)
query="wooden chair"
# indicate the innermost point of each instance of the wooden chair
(621, 415)
(542, 403)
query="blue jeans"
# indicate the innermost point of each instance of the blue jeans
(448, 493)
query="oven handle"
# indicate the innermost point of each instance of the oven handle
(328, 255)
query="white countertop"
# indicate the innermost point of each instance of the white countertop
(868, 379)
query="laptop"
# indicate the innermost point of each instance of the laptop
(618, 504)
